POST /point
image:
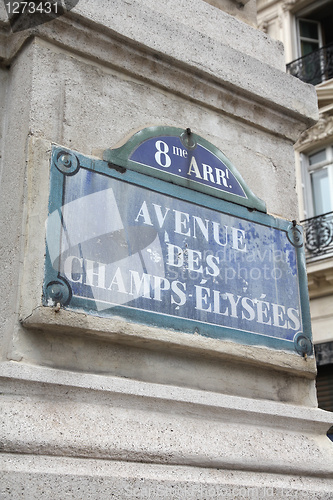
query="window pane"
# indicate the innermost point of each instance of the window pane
(308, 48)
(308, 29)
(317, 157)
(321, 192)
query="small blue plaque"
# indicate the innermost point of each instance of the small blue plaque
(184, 158)
(198, 165)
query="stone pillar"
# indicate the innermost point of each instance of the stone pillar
(97, 407)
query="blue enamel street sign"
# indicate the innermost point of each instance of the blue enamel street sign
(120, 243)
(203, 167)
(184, 158)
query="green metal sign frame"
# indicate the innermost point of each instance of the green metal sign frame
(115, 175)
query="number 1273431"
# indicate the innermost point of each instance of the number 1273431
(32, 7)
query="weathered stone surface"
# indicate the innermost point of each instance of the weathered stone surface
(144, 422)
(175, 20)
(49, 477)
(3, 14)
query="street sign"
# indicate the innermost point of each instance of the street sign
(121, 243)
(186, 159)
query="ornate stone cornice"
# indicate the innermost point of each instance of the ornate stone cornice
(320, 282)
(288, 5)
(319, 132)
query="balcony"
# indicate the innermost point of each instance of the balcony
(314, 68)
(318, 236)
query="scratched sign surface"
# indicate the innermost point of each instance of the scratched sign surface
(184, 158)
(200, 165)
(118, 247)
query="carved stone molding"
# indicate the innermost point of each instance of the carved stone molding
(263, 26)
(320, 283)
(288, 5)
(319, 132)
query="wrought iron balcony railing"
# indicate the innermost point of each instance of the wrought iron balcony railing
(318, 236)
(314, 68)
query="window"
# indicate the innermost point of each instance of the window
(314, 27)
(318, 182)
(313, 43)
(309, 36)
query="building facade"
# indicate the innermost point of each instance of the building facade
(305, 28)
